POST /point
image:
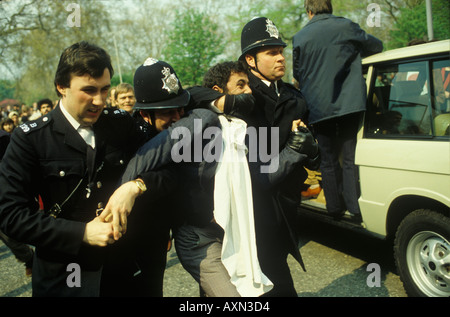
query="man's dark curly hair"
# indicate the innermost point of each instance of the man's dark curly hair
(43, 102)
(220, 73)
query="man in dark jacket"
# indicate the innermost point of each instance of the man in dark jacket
(276, 194)
(327, 64)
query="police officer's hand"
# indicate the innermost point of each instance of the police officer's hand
(239, 106)
(302, 141)
(119, 207)
(98, 233)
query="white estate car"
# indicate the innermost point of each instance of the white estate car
(403, 156)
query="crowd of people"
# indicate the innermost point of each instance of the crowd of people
(106, 177)
(12, 115)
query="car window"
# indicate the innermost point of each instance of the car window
(441, 87)
(403, 102)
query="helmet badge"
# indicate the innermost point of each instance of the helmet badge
(170, 81)
(272, 29)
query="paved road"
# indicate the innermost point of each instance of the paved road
(336, 262)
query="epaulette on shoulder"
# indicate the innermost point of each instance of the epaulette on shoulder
(34, 125)
(114, 112)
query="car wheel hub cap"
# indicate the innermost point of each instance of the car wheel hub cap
(428, 258)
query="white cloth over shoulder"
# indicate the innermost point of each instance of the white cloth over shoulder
(233, 211)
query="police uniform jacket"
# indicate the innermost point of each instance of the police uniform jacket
(276, 195)
(327, 64)
(48, 158)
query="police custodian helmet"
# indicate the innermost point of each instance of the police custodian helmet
(259, 32)
(156, 86)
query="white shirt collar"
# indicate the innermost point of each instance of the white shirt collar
(266, 82)
(87, 133)
(69, 117)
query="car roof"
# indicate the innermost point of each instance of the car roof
(410, 51)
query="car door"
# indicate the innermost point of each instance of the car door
(403, 147)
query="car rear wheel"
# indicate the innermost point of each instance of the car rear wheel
(422, 253)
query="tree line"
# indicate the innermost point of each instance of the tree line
(191, 35)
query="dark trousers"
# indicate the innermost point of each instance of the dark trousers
(272, 241)
(337, 137)
(273, 261)
(136, 270)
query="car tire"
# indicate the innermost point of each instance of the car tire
(422, 254)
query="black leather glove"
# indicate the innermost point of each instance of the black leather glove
(303, 142)
(313, 163)
(239, 106)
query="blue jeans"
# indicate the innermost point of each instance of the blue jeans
(337, 137)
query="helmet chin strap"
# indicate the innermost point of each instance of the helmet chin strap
(153, 119)
(257, 70)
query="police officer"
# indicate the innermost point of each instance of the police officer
(154, 216)
(160, 103)
(278, 105)
(72, 157)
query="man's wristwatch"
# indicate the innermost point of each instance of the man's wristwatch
(141, 185)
